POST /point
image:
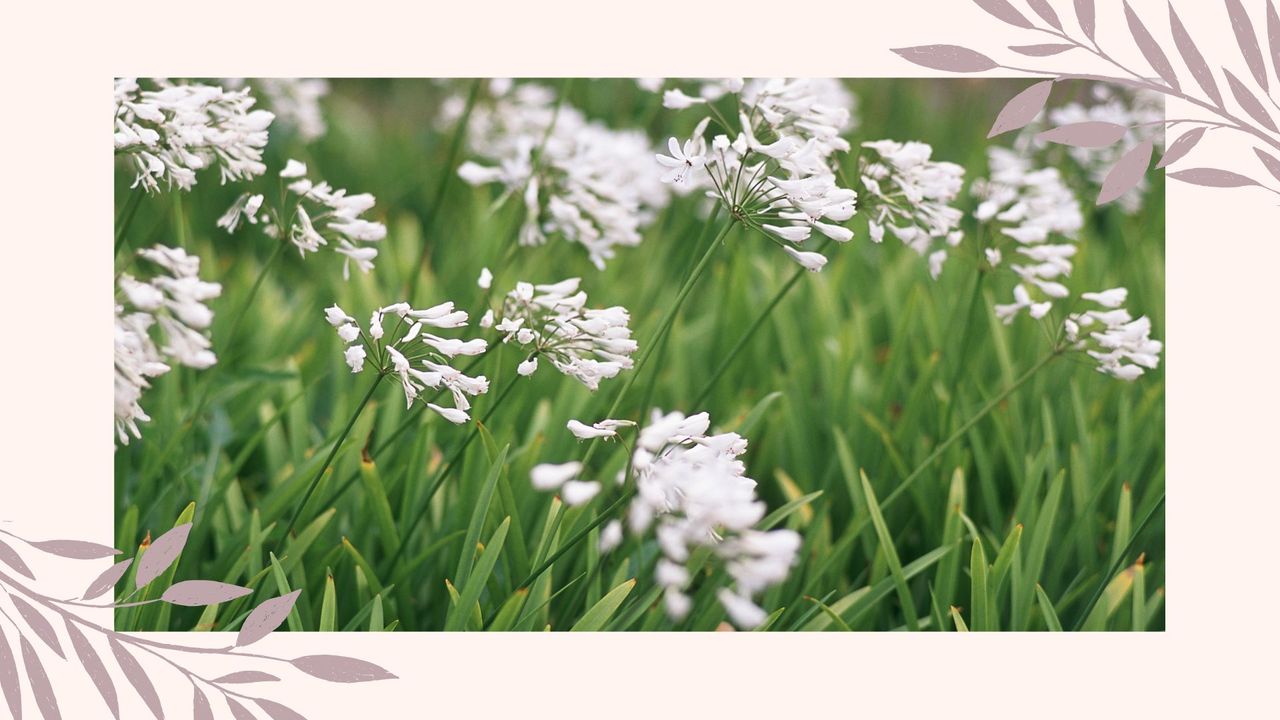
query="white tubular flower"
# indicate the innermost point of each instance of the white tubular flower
(910, 195)
(552, 321)
(610, 536)
(591, 184)
(1121, 345)
(172, 300)
(173, 131)
(419, 360)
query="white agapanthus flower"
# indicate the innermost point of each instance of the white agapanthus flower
(296, 103)
(692, 491)
(413, 353)
(910, 194)
(173, 301)
(588, 183)
(171, 132)
(553, 322)
(1121, 345)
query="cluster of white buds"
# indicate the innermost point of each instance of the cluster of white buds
(692, 488)
(296, 103)
(172, 300)
(173, 131)
(1032, 208)
(911, 195)
(333, 215)
(1121, 345)
(552, 321)
(777, 174)
(419, 358)
(578, 179)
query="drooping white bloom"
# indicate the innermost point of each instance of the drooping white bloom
(683, 161)
(610, 536)
(910, 194)
(173, 301)
(171, 132)
(553, 322)
(415, 355)
(1121, 345)
(602, 429)
(485, 281)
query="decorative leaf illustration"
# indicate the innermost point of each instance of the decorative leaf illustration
(950, 58)
(265, 618)
(1042, 50)
(277, 711)
(1212, 177)
(1248, 41)
(162, 553)
(1194, 60)
(94, 668)
(202, 710)
(39, 624)
(1046, 13)
(137, 677)
(246, 676)
(1273, 36)
(1002, 10)
(1150, 49)
(1127, 173)
(1084, 14)
(1091, 134)
(340, 669)
(107, 580)
(1180, 147)
(75, 549)
(1249, 102)
(197, 593)
(9, 682)
(238, 711)
(46, 701)
(1022, 109)
(10, 557)
(1269, 161)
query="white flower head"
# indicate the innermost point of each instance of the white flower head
(1121, 345)
(910, 195)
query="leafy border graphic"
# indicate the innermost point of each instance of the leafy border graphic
(38, 613)
(1249, 115)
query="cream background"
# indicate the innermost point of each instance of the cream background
(1222, 255)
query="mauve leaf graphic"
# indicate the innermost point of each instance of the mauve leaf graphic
(1212, 177)
(1248, 41)
(107, 580)
(1022, 109)
(277, 711)
(1042, 50)
(1084, 14)
(1249, 102)
(201, 711)
(1180, 147)
(42, 628)
(10, 557)
(1002, 10)
(238, 711)
(137, 677)
(40, 687)
(265, 618)
(9, 682)
(950, 58)
(75, 549)
(247, 676)
(1273, 36)
(94, 668)
(1150, 49)
(1269, 161)
(197, 593)
(1090, 134)
(1194, 60)
(340, 669)
(1127, 173)
(162, 553)
(1046, 13)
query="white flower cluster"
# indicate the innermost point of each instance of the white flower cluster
(296, 103)
(777, 175)
(410, 348)
(694, 488)
(592, 184)
(911, 195)
(173, 300)
(333, 215)
(175, 130)
(1121, 345)
(552, 321)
